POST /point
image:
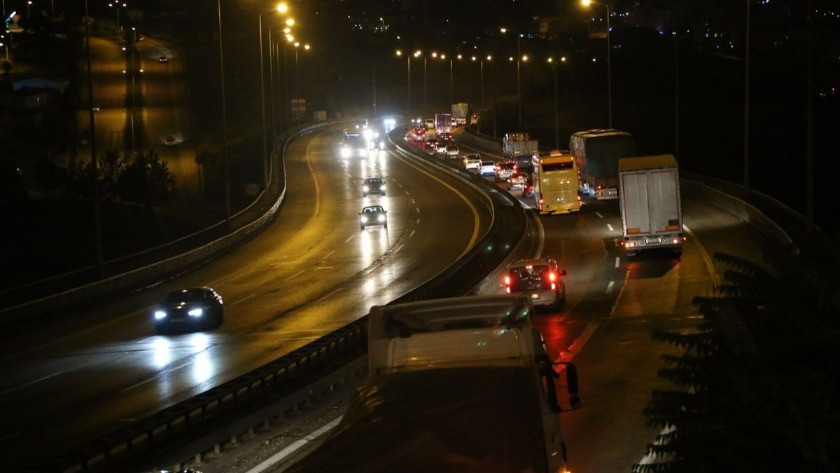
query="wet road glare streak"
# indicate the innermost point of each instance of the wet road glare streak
(610, 287)
(16, 388)
(294, 275)
(617, 261)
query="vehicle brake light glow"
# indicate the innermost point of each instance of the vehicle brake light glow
(552, 277)
(507, 280)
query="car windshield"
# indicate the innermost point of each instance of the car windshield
(184, 295)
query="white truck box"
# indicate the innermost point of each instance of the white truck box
(649, 196)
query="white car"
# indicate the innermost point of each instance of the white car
(472, 161)
(488, 168)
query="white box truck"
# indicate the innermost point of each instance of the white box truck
(456, 384)
(649, 196)
(460, 112)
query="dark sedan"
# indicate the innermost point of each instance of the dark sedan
(188, 309)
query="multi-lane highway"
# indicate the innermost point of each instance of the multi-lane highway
(312, 271)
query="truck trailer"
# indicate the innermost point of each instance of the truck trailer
(597, 153)
(520, 148)
(649, 196)
(459, 384)
(443, 126)
(460, 112)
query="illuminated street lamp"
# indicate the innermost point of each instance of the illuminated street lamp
(116, 6)
(586, 3)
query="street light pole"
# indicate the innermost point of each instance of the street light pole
(224, 119)
(586, 3)
(408, 78)
(518, 91)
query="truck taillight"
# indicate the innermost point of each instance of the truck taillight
(552, 276)
(507, 281)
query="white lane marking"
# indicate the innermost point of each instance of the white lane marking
(412, 233)
(398, 249)
(321, 268)
(418, 221)
(349, 238)
(329, 254)
(617, 261)
(406, 193)
(314, 178)
(610, 227)
(610, 286)
(295, 446)
(417, 209)
(540, 237)
(599, 214)
(12, 435)
(250, 296)
(476, 218)
(413, 202)
(710, 266)
(294, 275)
(148, 380)
(327, 295)
(16, 388)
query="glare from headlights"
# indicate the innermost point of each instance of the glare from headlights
(382, 187)
(381, 218)
(196, 312)
(160, 314)
(364, 219)
(345, 152)
(365, 188)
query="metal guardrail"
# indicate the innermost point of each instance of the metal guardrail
(168, 433)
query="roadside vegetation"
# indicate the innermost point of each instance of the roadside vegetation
(757, 386)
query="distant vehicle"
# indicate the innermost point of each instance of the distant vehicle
(170, 141)
(189, 309)
(441, 148)
(373, 185)
(528, 190)
(541, 279)
(487, 168)
(373, 215)
(96, 108)
(459, 113)
(432, 144)
(452, 151)
(429, 123)
(354, 144)
(419, 133)
(517, 180)
(556, 184)
(443, 125)
(520, 148)
(163, 59)
(597, 153)
(472, 161)
(505, 169)
(649, 198)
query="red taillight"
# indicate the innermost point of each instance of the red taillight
(507, 280)
(552, 277)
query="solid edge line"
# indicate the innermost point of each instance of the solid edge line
(295, 446)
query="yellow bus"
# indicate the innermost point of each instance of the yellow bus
(555, 179)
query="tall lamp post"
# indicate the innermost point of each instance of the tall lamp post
(224, 118)
(586, 3)
(116, 6)
(555, 65)
(408, 76)
(281, 8)
(419, 53)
